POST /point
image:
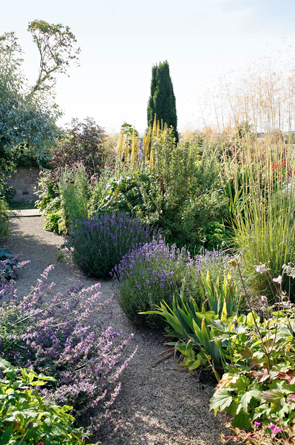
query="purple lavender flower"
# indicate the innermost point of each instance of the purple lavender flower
(100, 243)
(155, 272)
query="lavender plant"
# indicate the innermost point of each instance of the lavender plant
(155, 273)
(61, 338)
(99, 243)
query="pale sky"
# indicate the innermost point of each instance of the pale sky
(120, 41)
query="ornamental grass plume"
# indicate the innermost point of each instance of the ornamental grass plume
(66, 338)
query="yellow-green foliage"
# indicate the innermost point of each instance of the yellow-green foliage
(26, 417)
(73, 187)
(4, 227)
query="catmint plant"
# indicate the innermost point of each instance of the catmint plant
(66, 338)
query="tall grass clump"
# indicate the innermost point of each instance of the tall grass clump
(258, 162)
(263, 217)
(156, 272)
(100, 242)
(73, 187)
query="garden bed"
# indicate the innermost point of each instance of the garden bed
(156, 405)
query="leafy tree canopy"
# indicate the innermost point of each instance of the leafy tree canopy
(82, 141)
(28, 114)
(128, 130)
(56, 47)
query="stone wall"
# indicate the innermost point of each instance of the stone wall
(24, 182)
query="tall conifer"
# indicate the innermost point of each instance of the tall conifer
(162, 100)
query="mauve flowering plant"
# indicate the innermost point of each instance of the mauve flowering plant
(99, 243)
(257, 389)
(261, 435)
(63, 338)
(155, 272)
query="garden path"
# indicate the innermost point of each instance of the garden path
(157, 405)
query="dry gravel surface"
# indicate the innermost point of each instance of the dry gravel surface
(156, 405)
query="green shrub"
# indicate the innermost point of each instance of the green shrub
(26, 417)
(193, 202)
(4, 218)
(99, 243)
(127, 191)
(50, 203)
(178, 190)
(73, 187)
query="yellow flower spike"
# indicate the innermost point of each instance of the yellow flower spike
(145, 143)
(134, 149)
(152, 164)
(126, 155)
(116, 192)
(120, 146)
(158, 128)
(154, 128)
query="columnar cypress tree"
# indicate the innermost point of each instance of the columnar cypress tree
(162, 99)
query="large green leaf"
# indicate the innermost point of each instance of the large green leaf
(6, 436)
(221, 400)
(246, 398)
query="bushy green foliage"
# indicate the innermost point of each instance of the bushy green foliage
(162, 100)
(100, 242)
(26, 417)
(258, 386)
(193, 202)
(4, 218)
(73, 188)
(180, 191)
(50, 203)
(65, 200)
(128, 191)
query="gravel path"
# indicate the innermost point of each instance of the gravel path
(157, 405)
